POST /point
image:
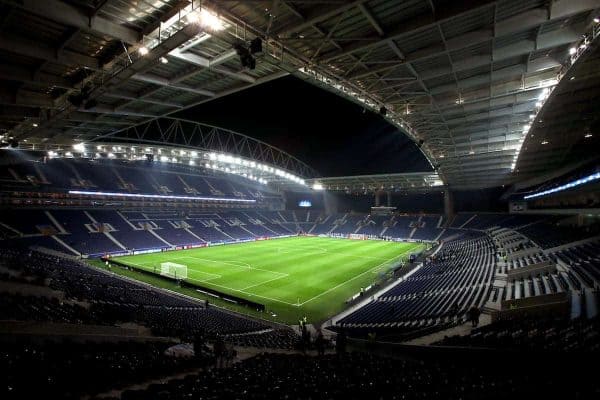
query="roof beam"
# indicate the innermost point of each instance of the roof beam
(261, 80)
(20, 74)
(114, 82)
(213, 64)
(130, 97)
(70, 15)
(371, 19)
(545, 41)
(157, 80)
(114, 111)
(318, 16)
(87, 117)
(25, 98)
(34, 50)
(443, 13)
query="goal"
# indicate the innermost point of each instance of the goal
(172, 270)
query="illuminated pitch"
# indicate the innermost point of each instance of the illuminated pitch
(292, 277)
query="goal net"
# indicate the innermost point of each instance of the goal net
(172, 270)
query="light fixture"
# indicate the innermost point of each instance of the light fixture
(588, 135)
(206, 19)
(545, 142)
(79, 147)
(566, 186)
(572, 50)
(164, 60)
(597, 20)
(143, 50)
(34, 125)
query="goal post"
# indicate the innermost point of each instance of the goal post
(173, 270)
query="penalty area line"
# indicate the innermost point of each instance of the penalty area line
(351, 279)
(268, 280)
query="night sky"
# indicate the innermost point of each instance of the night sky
(329, 133)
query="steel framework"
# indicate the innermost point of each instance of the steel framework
(413, 181)
(197, 136)
(461, 78)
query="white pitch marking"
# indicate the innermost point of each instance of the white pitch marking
(262, 283)
(308, 249)
(236, 263)
(237, 290)
(351, 279)
(215, 276)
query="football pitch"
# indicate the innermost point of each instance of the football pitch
(293, 277)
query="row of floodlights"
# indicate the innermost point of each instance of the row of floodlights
(548, 86)
(566, 186)
(574, 52)
(435, 182)
(217, 161)
(203, 17)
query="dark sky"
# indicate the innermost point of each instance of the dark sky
(329, 133)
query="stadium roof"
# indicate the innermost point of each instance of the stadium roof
(461, 78)
(412, 181)
(566, 131)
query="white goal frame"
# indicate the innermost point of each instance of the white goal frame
(173, 270)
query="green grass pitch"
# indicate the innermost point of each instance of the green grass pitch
(292, 277)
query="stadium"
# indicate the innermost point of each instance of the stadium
(392, 199)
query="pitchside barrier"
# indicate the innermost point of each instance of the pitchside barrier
(180, 247)
(201, 289)
(225, 242)
(361, 236)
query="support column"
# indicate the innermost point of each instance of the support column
(330, 202)
(448, 205)
(389, 198)
(377, 198)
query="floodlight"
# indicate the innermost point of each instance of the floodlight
(80, 147)
(206, 19)
(143, 50)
